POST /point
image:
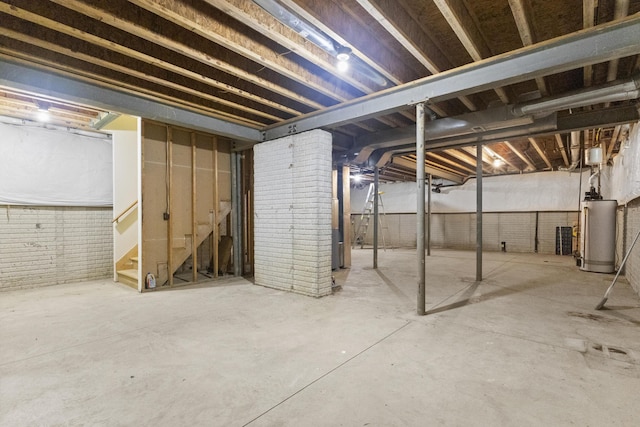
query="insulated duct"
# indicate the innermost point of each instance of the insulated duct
(620, 90)
(575, 152)
(306, 30)
(507, 121)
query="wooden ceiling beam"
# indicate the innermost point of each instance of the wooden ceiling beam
(612, 143)
(443, 159)
(188, 17)
(498, 156)
(524, 158)
(253, 16)
(132, 72)
(466, 157)
(56, 118)
(399, 23)
(191, 19)
(468, 32)
(118, 85)
(560, 144)
(183, 49)
(588, 21)
(462, 156)
(485, 162)
(522, 15)
(131, 53)
(351, 33)
(540, 152)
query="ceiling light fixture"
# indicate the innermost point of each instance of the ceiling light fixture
(294, 22)
(497, 163)
(343, 53)
(322, 40)
(43, 111)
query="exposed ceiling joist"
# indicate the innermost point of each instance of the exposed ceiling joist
(389, 14)
(530, 165)
(540, 152)
(588, 21)
(411, 165)
(522, 15)
(56, 86)
(564, 53)
(461, 20)
(562, 150)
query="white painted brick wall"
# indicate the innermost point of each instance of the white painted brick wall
(41, 246)
(632, 267)
(547, 223)
(458, 230)
(292, 205)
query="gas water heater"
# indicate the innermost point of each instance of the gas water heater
(598, 235)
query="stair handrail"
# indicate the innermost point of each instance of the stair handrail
(117, 219)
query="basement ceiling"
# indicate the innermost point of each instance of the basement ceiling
(260, 63)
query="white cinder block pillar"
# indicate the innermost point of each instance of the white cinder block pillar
(292, 205)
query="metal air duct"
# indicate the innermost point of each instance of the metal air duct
(620, 90)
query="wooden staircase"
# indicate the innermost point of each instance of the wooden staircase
(127, 268)
(183, 252)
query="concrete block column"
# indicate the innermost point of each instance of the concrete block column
(292, 205)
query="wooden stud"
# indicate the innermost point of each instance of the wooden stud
(216, 209)
(194, 218)
(169, 194)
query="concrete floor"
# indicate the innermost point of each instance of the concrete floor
(525, 347)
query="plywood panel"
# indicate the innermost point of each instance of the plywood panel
(187, 231)
(154, 200)
(224, 171)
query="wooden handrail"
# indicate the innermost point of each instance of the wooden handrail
(116, 219)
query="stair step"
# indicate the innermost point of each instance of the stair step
(134, 262)
(128, 277)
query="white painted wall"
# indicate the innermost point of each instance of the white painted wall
(622, 181)
(126, 164)
(50, 167)
(545, 191)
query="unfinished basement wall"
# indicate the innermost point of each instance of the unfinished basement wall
(292, 212)
(186, 202)
(521, 212)
(44, 246)
(55, 206)
(622, 180)
(632, 222)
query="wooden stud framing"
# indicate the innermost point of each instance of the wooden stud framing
(216, 209)
(169, 193)
(194, 218)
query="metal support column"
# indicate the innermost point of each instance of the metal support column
(479, 213)
(429, 177)
(376, 218)
(420, 172)
(236, 214)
